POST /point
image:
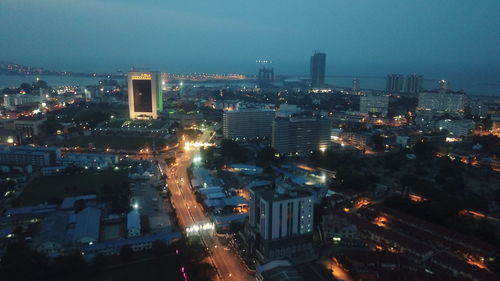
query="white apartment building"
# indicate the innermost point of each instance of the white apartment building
(248, 123)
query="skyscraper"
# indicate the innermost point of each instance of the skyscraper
(300, 135)
(145, 98)
(318, 62)
(414, 83)
(266, 75)
(395, 83)
(281, 220)
(356, 85)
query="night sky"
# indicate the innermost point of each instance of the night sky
(359, 36)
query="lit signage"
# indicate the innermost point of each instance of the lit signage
(143, 76)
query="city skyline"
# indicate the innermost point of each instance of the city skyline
(358, 37)
(249, 140)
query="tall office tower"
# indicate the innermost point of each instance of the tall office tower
(281, 220)
(318, 63)
(300, 135)
(414, 83)
(374, 104)
(266, 76)
(395, 83)
(145, 98)
(441, 101)
(247, 123)
(443, 85)
(356, 86)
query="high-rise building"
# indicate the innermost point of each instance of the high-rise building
(458, 128)
(477, 108)
(318, 64)
(266, 76)
(300, 135)
(442, 101)
(145, 98)
(374, 104)
(394, 83)
(414, 83)
(281, 221)
(356, 85)
(247, 123)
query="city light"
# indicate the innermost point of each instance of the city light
(197, 159)
(200, 227)
(189, 145)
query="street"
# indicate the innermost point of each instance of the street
(189, 212)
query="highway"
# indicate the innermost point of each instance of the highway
(228, 264)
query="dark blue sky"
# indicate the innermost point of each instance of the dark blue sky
(359, 36)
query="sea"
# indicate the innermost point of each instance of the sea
(473, 87)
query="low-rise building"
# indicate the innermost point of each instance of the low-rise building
(29, 127)
(336, 229)
(133, 224)
(138, 243)
(52, 238)
(87, 226)
(89, 160)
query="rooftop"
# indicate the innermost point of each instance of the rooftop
(133, 220)
(87, 224)
(53, 229)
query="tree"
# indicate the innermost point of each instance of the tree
(100, 261)
(497, 196)
(69, 267)
(25, 87)
(378, 142)
(232, 151)
(20, 263)
(188, 106)
(267, 156)
(126, 253)
(50, 126)
(159, 248)
(487, 232)
(423, 150)
(40, 84)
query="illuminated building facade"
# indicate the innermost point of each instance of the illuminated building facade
(247, 123)
(300, 135)
(442, 101)
(145, 98)
(281, 222)
(374, 104)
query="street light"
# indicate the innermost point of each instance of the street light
(197, 159)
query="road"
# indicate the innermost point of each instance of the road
(228, 264)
